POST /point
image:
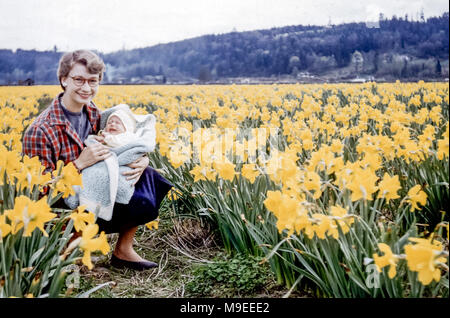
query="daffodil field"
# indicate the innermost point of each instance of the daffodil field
(342, 188)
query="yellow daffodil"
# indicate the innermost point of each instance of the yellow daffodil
(337, 146)
(89, 244)
(211, 174)
(29, 214)
(443, 148)
(372, 162)
(288, 211)
(250, 172)
(423, 258)
(342, 219)
(288, 167)
(312, 183)
(363, 185)
(388, 259)
(225, 170)
(322, 224)
(415, 196)
(68, 178)
(174, 194)
(273, 200)
(321, 159)
(153, 225)
(5, 228)
(388, 187)
(199, 173)
(31, 173)
(306, 138)
(81, 218)
(9, 161)
(178, 155)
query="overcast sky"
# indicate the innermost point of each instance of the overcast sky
(110, 25)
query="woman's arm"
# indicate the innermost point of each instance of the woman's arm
(35, 143)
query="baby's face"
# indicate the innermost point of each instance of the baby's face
(114, 126)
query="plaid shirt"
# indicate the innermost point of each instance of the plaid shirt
(51, 137)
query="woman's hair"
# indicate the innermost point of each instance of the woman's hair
(87, 58)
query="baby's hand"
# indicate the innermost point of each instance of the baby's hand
(100, 139)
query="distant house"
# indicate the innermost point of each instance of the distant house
(358, 80)
(27, 82)
(304, 74)
(362, 79)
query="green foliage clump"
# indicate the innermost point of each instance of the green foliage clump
(236, 276)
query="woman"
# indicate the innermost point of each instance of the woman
(58, 133)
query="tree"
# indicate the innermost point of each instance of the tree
(357, 61)
(204, 74)
(294, 64)
(375, 63)
(438, 68)
(422, 15)
(404, 72)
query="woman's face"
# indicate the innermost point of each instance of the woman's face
(114, 126)
(81, 86)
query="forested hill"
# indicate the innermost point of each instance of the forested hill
(395, 48)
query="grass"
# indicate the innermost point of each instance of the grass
(184, 249)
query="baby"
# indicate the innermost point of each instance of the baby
(129, 137)
(119, 129)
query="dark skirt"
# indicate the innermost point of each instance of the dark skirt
(143, 207)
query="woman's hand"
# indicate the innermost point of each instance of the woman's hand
(100, 138)
(138, 168)
(91, 155)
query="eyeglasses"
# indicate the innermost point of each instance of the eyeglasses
(79, 81)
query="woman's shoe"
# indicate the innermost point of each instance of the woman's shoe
(138, 266)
